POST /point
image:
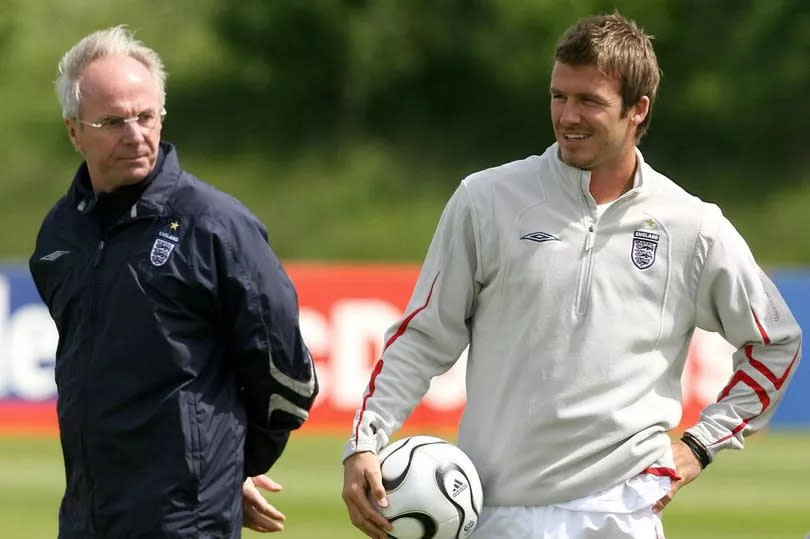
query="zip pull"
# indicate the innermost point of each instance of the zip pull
(589, 238)
(99, 252)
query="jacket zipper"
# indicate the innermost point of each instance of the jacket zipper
(586, 259)
(586, 265)
(585, 270)
(93, 320)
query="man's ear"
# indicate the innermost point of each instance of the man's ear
(640, 110)
(71, 127)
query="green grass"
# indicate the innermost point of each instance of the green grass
(762, 492)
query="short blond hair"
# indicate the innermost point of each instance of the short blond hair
(117, 40)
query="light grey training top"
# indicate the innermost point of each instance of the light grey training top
(578, 328)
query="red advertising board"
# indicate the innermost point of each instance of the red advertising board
(345, 311)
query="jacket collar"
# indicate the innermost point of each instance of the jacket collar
(154, 190)
(580, 178)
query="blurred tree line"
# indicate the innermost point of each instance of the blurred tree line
(345, 124)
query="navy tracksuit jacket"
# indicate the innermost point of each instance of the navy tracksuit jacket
(180, 366)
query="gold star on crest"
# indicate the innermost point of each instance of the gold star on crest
(649, 223)
(174, 226)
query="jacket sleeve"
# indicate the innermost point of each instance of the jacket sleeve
(273, 366)
(432, 333)
(736, 299)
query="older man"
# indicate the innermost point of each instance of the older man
(180, 366)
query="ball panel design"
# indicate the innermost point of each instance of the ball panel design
(432, 487)
(455, 485)
(401, 457)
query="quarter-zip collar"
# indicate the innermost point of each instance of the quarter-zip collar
(577, 177)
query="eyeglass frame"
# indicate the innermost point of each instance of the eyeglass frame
(123, 121)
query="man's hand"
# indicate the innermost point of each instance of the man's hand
(687, 467)
(257, 513)
(362, 481)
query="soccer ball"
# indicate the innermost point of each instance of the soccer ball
(432, 487)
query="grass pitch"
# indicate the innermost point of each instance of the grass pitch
(762, 492)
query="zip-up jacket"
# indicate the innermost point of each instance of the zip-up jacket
(578, 326)
(180, 366)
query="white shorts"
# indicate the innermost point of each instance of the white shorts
(552, 522)
(621, 512)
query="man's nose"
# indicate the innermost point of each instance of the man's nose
(132, 130)
(570, 114)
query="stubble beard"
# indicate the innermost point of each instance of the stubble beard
(581, 162)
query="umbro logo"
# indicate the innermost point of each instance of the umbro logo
(458, 487)
(53, 256)
(539, 237)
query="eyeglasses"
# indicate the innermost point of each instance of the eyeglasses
(147, 119)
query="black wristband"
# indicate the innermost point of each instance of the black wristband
(697, 448)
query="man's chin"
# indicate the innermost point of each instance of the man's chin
(136, 172)
(576, 161)
(129, 178)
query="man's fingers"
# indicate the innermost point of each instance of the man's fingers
(264, 518)
(264, 482)
(376, 488)
(362, 487)
(252, 495)
(257, 513)
(363, 514)
(270, 512)
(660, 504)
(256, 521)
(687, 469)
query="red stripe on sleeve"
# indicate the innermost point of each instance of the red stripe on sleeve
(404, 325)
(735, 430)
(766, 372)
(765, 338)
(764, 399)
(745, 378)
(377, 368)
(397, 334)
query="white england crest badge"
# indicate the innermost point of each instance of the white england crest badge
(644, 246)
(164, 245)
(161, 250)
